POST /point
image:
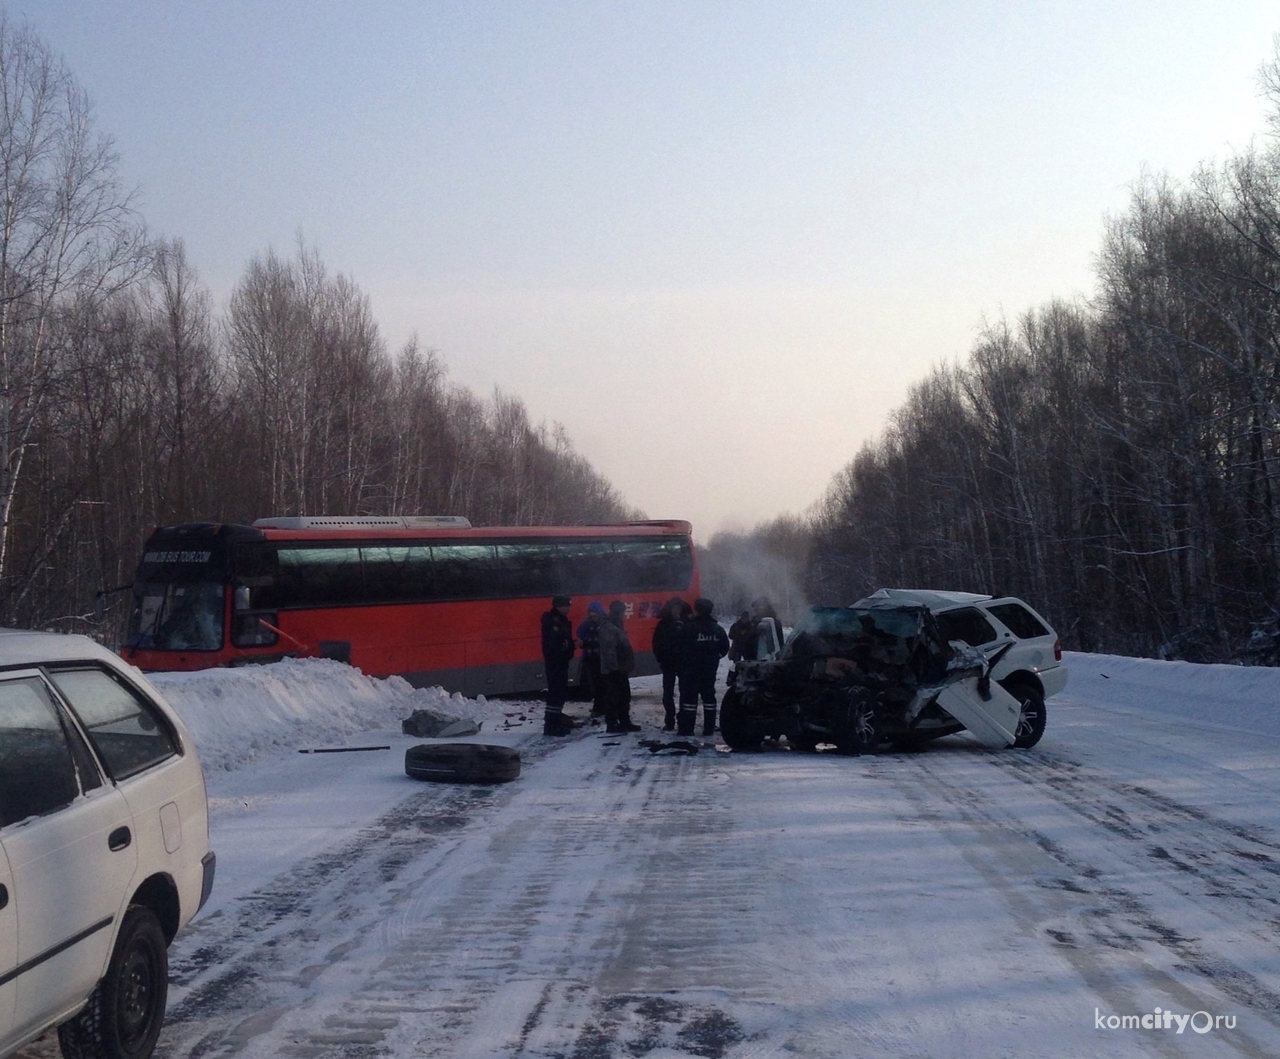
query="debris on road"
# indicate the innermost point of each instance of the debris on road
(432, 724)
(674, 746)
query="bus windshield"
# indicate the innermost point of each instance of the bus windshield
(177, 616)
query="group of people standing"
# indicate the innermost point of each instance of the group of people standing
(688, 644)
(608, 660)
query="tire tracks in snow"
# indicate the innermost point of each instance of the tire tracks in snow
(234, 973)
(523, 920)
(601, 947)
(1102, 889)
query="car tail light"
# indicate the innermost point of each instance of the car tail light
(1057, 650)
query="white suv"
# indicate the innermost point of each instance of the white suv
(1026, 652)
(104, 847)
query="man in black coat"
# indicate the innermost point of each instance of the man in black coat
(703, 644)
(739, 633)
(557, 650)
(590, 681)
(667, 642)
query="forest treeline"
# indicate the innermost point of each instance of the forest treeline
(128, 400)
(1115, 461)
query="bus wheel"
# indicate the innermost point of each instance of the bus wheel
(461, 763)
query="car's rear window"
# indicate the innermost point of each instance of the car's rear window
(128, 732)
(1021, 622)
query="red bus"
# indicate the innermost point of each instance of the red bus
(428, 598)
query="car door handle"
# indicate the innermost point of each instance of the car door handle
(4, 896)
(119, 839)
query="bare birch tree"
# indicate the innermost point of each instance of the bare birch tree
(67, 232)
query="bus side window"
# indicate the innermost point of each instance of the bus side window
(587, 567)
(319, 576)
(248, 631)
(254, 569)
(530, 568)
(466, 571)
(398, 573)
(629, 561)
(673, 562)
(654, 564)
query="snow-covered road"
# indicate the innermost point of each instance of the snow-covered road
(951, 902)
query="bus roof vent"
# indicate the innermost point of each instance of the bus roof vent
(311, 522)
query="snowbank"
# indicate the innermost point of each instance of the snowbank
(1240, 698)
(237, 714)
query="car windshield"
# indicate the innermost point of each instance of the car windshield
(840, 630)
(177, 616)
(898, 642)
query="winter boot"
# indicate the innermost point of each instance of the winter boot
(708, 720)
(686, 720)
(669, 724)
(556, 723)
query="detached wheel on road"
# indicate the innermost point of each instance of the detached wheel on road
(123, 1017)
(1031, 718)
(461, 763)
(857, 729)
(738, 728)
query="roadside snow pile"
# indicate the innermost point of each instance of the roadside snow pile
(236, 714)
(1241, 698)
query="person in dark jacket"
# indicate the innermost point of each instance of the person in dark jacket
(666, 652)
(739, 633)
(703, 645)
(557, 650)
(617, 660)
(589, 674)
(749, 636)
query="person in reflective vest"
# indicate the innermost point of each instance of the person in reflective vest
(704, 643)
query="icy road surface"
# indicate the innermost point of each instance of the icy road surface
(952, 902)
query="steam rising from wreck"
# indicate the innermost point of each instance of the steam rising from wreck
(768, 561)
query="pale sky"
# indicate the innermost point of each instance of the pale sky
(717, 241)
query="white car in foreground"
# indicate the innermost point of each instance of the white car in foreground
(104, 847)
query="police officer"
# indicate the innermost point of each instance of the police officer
(704, 643)
(557, 650)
